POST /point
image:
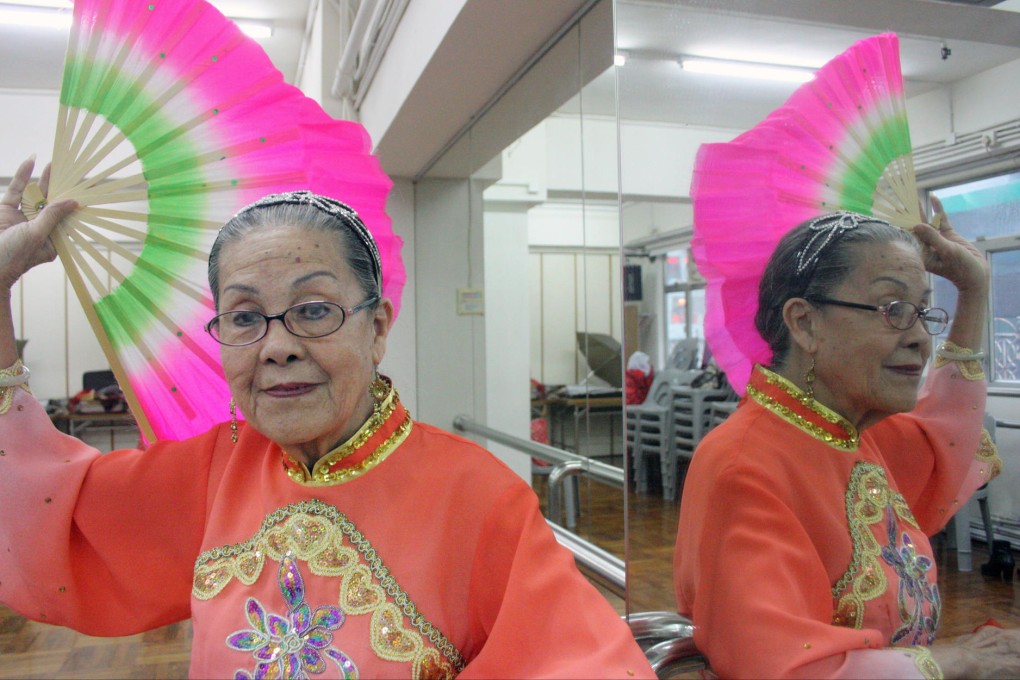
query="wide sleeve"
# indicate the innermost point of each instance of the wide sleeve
(538, 616)
(939, 453)
(749, 576)
(102, 543)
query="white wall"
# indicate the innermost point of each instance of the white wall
(507, 327)
(401, 346)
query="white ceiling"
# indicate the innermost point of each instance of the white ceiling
(655, 32)
(33, 58)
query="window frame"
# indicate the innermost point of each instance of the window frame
(987, 247)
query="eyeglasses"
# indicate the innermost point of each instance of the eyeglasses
(307, 320)
(900, 314)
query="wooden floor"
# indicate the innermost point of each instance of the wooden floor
(36, 650)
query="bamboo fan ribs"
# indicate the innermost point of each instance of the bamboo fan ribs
(170, 121)
(840, 142)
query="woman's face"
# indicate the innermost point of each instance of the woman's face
(306, 394)
(866, 369)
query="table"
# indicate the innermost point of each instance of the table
(560, 407)
(75, 424)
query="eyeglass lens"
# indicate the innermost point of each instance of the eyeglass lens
(308, 320)
(902, 315)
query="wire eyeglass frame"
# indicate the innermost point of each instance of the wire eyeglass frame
(212, 328)
(931, 317)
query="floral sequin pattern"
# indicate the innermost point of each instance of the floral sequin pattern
(329, 545)
(294, 645)
(919, 601)
(884, 551)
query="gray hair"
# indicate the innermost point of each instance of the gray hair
(785, 276)
(266, 214)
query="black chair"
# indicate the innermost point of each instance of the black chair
(97, 380)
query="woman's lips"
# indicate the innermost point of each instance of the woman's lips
(914, 370)
(290, 389)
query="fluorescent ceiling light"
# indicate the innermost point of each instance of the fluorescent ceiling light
(747, 69)
(57, 14)
(49, 17)
(63, 4)
(259, 30)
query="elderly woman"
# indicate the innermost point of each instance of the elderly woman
(327, 533)
(803, 546)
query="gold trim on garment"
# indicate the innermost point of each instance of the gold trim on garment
(867, 497)
(971, 369)
(315, 531)
(924, 661)
(988, 453)
(7, 393)
(321, 475)
(853, 438)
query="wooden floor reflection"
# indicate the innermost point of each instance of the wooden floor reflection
(36, 650)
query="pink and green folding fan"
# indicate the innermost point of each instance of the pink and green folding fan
(170, 121)
(841, 142)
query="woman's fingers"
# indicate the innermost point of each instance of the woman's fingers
(12, 197)
(52, 215)
(44, 180)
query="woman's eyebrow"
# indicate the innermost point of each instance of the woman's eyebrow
(242, 288)
(307, 277)
(899, 284)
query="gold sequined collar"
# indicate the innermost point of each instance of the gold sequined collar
(786, 400)
(381, 434)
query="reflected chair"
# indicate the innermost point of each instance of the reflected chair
(690, 422)
(648, 424)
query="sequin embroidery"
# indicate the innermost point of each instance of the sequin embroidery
(919, 601)
(331, 469)
(7, 393)
(869, 501)
(988, 453)
(294, 645)
(322, 536)
(928, 666)
(814, 412)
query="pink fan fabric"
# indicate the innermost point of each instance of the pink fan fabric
(219, 119)
(813, 155)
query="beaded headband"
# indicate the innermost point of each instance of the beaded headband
(331, 207)
(826, 230)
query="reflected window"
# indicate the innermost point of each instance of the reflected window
(684, 299)
(987, 211)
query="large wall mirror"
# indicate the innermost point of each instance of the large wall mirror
(531, 249)
(567, 223)
(956, 57)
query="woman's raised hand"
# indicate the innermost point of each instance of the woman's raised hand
(950, 255)
(24, 243)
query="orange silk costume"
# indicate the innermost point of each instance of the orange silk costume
(803, 548)
(406, 552)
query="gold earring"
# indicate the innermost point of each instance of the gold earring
(379, 388)
(233, 421)
(809, 381)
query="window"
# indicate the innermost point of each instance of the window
(987, 211)
(684, 299)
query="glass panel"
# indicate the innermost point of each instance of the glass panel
(1005, 359)
(666, 113)
(676, 267)
(984, 210)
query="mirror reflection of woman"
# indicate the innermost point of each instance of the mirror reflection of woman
(326, 533)
(803, 547)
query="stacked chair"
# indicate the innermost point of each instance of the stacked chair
(649, 426)
(691, 421)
